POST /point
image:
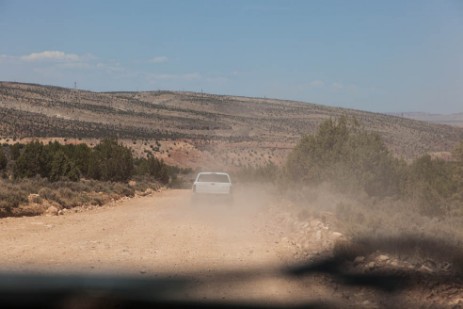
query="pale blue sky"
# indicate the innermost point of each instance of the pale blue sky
(382, 56)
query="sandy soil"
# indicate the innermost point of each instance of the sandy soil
(226, 254)
(164, 235)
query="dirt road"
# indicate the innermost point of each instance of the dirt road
(163, 235)
(160, 233)
(237, 254)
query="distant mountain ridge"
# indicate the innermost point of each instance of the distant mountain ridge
(229, 129)
(455, 119)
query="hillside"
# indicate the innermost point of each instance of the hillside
(195, 129)
(450, 119)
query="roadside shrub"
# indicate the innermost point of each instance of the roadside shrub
(431, 184)
(80, 156)
(14, 194)
(31, 185)
(146, 182)
(67, 193)
(110, 161)
(34, 160)
(10, 198)
(101, 186)
(123, 189)
(97, 200)
(48, 194)
(343, 153)
(61, 167)
(107, 161)
(37, 200)
(152, 166)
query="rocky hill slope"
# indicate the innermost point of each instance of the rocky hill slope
(450, 119)
(195, 128)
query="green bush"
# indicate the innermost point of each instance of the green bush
(431, 183)
(11, 197)
(15, 150)
(110, 161)
(152, 166)
(80, 157)
(61, 167)
(33, 161)
(48, 194)
(107, 161)
(343, 153)
(123, 189)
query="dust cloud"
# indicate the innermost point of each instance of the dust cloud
(266, 248)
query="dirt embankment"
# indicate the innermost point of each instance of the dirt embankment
(243, 253)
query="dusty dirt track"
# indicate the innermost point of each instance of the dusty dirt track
(236, 254)
(163, 235)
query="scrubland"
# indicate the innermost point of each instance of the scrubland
(386, 193)
(346, 177)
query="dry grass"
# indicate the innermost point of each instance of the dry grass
(221, 130)
(33, 196)
(386, 225)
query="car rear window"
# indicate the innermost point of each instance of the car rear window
(213, 178)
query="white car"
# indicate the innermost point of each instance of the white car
(213, 186)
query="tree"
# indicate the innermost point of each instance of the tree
(15, 150)
(80, 156)
(63, 167)
(111, 161)
(431, 184)
(343, 153)
(34, 160)
(3, 159)
(371, 164)
(154, 167)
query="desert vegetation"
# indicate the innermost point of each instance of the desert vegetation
(354, 160)
(36, 196)
(345, 176)
(74, 175)
(378, 159)
(223, 122)
(395, 224)
(351, 159)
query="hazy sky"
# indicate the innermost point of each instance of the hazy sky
(384, 56)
